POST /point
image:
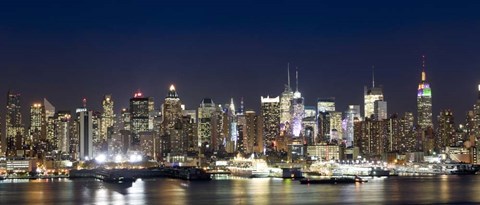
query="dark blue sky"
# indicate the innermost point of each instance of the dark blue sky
(67, 50)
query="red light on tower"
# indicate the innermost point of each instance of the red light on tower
(138, 94)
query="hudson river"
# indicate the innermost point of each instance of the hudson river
(393, 190)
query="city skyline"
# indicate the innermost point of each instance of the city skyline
(213, 50)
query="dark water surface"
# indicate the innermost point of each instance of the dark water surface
(393, 190)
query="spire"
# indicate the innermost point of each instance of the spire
(288, 74)
(424, 74)
(296, 78)
(241, 106)
(84, 102)
(373, 76)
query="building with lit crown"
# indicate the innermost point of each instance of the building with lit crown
(424, 102)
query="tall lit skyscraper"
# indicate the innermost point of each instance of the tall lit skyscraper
(424, 101)
(139, 116)
(62, 131)
(286, 103)
(370, 96)
(475, 124)
(108, 117)
(13, 123)
(173, 139)
(352, 114)
(205, 114)
(86, 134)
(446, 130)
(270, 110)
(37, 123)
(297, 110)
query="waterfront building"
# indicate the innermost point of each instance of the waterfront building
(270, 113)
(324, 152)
(424, 101)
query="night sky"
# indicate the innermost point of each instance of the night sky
(67, 50)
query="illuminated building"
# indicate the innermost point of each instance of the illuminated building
(173, 138)
(62, 130)
(297, 111)
(231, 141)
(424, 101)
(336, 128)
(218, 130)
(310, 125)
(352, 114)
(326, 104)
(139, 116)
(324, 152)
(85, 119)
(254, 142)
(270, 109)
(324, 107)
(108, 118)
(475, 119)
(37, 124)
(445, 130)
(370, 137)
(380, 110)
(205, 112)
(370, 96)
(286, 103)
(13, 122)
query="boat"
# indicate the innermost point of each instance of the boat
(249, 167)
(333, 180)
(461, 169)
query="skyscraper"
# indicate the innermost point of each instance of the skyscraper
(107, 118)
(174, 143)
(37, 124)
(370, 96)
(286, 103)
(446, 130)
(13, 123)
(297, 111)
(205, 114)
(380, 110)
(352, 114)
(424, 101)
(326, 104)
(86, 134)
(270, 110)
(139, 116)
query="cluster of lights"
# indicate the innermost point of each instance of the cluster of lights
(102, 158)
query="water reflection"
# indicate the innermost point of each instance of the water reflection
(395, 190)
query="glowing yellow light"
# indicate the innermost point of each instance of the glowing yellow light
(172, 88)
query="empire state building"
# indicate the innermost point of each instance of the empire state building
(424, 101)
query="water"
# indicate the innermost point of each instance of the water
(393, 190)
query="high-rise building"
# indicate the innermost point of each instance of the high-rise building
(254, 142)
(445, 130)
(270, 110)
(107, 118)
(38, 125)
(336, 129)
(62, 130)
(475, 119)
(286, 104)
(173, 140)
(380, 110)
(13, 122)
(310, 125)
(85, 134)
(370, 96)
(139, 116)
(326, 104)
(297, 111)
(424, 101)
(205, 114)
(352, 114)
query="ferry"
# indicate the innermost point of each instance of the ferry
(334, 180)
(249, 167)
